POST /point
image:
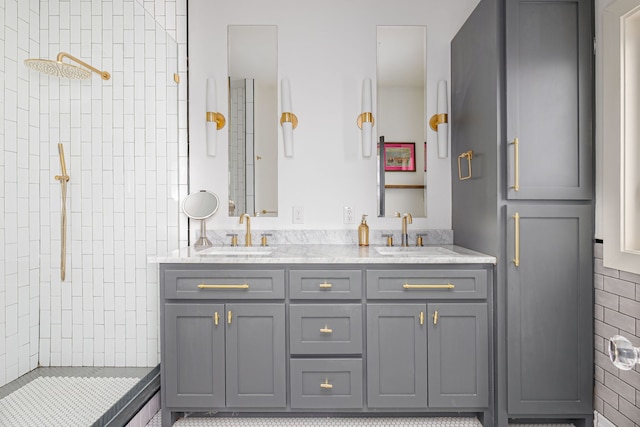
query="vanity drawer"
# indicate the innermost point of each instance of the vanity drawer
(325, 284)
(223, 284)
(326, 383)
(427, 284)
(325, 329)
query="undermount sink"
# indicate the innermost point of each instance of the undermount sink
(414, 251)
(237, 250)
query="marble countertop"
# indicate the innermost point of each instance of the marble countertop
(326, 254)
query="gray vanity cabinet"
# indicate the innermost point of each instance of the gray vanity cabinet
(458, 354)
(194, 359)
(230, 355)
(549, 51)
(256, 356)
(396, 356)
(432, 355)
(531, 84)
(549, 334)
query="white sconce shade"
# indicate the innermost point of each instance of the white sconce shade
(440, 122)
(215, 120)
(365, 119)
(288, 121)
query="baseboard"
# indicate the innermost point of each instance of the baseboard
(601, 421)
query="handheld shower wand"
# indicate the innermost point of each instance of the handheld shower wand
(64, 178)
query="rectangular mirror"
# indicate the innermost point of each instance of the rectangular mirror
(401, 120)
(253, 120)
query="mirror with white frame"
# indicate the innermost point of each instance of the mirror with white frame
(253, 120)
(400, 121)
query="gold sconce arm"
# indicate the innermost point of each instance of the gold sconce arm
(217, 118)
(289, 118)
(366, 118)
(105, 75)
(438, 119)
(469, 156)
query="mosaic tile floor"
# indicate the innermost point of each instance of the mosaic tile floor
(330, 422)
(66, 396)
(62, 401)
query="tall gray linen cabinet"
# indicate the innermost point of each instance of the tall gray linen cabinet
(522, 101)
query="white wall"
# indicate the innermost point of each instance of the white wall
(325, 49)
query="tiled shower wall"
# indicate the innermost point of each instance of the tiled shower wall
(19, 190)
(617, 312)
(127, 175)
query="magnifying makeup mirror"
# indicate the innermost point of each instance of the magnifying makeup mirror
(201, 205)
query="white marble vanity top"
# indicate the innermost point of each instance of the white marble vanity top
(327, 254)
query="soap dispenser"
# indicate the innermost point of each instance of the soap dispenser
(363, 232)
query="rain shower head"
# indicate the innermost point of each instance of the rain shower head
(61, 69)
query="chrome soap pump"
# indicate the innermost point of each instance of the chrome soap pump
(363, 232)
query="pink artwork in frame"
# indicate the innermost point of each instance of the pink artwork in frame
(400, 156)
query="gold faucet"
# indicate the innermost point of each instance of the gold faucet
(406, 219)
(247, 239)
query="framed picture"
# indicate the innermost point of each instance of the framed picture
(400, 156)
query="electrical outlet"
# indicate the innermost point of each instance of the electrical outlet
(298, 215)
(348, 215)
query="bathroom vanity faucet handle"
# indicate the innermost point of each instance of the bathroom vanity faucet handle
(263, 239)
(419, 240)
(234, 238)
(389, 239)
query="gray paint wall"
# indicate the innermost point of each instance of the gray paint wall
(617, 311)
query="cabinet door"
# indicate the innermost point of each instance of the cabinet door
(549, 51)
(256, 355)
(458, 342)
(396, 356)
(549, 309)
(194, 355)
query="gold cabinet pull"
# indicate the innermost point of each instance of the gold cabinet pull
(325, 285)
(216, 318)
(326, 330)
(516, 164)
(469, 156)
(229, 317)
(214, 287)
(438, 286)
(421, 318)
(516, 259)
(326, 384)
(435, 317)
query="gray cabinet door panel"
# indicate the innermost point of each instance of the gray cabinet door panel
(194, 356)
(325, 329)
(549, 98)
(396, 356)
(325, 284)
(256, 355)
(224, 284)
(458, 355)
(426, 284)
(326, 383)
(549, 300)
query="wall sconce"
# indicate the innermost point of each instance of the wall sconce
(215, 120)
(440, 122)
(366, 120)
(288, 121)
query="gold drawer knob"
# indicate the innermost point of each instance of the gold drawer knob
(325, 285)
(326, 384)
(326, 330)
